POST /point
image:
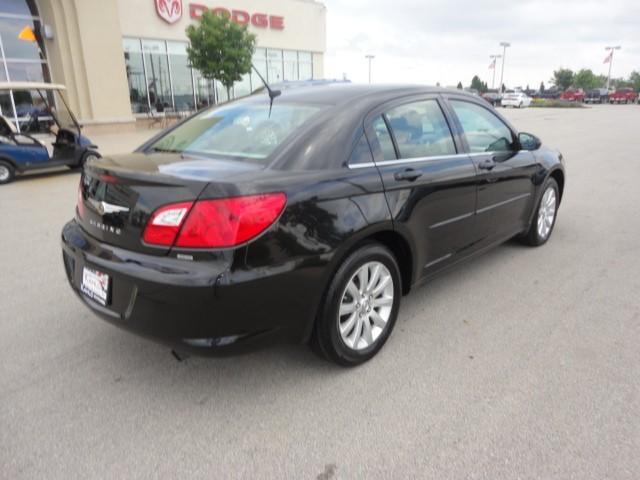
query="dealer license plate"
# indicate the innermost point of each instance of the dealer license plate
(95, 285)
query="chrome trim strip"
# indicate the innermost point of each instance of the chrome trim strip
(451, 220)
(361, 165)
(438, 260)
(499, 204)
(402, 161)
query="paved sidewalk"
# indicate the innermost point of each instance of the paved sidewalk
(113, 143)
(524, 363)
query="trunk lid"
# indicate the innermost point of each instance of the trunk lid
(118, 194)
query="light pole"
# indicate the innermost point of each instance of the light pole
(617, 47)
(369, 57)
(504, 46)
(494, 58)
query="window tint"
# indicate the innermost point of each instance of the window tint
(361, 153)
(421, 130)
(483, 130)
(380, 127)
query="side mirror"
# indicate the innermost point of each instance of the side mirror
(529, 141)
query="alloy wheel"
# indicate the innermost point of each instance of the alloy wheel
(366, 305)
(546, 212)
(4, 173)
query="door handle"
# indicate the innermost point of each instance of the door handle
(408, 174)
(487, 164)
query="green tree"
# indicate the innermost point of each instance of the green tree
(220, 49)
(634, 80)
(478, 84)
(541, 87)
(620, 83)
(586, 79)
(562, 78)
(459, 87)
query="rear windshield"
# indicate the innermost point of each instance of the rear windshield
(244, 130)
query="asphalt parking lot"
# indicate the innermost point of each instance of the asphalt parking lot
(524, 363)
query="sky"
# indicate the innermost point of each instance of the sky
(447, 41)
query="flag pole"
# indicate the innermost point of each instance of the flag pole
(493, 81)
(617, 47)
(494, 58)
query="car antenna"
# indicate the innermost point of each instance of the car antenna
(272, 93)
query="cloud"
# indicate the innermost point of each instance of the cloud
(450, 41)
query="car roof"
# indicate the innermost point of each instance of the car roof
(337, 93)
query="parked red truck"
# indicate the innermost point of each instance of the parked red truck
(573, 95)
(623, 95)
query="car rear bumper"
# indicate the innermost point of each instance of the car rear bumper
(197, 307)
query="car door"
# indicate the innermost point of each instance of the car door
(430, 186)
(505, 172)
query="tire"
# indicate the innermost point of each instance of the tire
(88, 155)
(363, 335)
(537, 234)
(7, 172)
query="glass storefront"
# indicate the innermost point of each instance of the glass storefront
(134, 65)
(181, 76)
(156, 64)
(22, 56)
(160, 77)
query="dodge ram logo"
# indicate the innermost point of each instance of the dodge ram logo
(169, 10)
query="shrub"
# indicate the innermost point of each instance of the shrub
(555, 103)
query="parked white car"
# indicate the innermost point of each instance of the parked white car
(515, 99)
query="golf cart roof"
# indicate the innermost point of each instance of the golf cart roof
(4, 86)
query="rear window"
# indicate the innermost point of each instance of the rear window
(244, 130)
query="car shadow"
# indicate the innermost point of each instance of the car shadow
(145, 363)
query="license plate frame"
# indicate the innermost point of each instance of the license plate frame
(96, 285)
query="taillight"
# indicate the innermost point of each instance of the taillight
(165, 223)
(224, 222)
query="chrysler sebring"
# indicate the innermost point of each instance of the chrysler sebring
(304, 219)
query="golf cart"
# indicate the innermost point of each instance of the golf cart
(43, 137)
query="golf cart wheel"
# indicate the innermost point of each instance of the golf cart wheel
(86, 156)
(7, 172)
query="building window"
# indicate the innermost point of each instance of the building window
(135, 75)
(221, 92)
(305, 65)
(260, 62)
(275, 71)
(156, 65)
(243, 87)
(22, 55)
(290, 59)
(181, 77)
(19, 7)
(205, 91)
(160, 76)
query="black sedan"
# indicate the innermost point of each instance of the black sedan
(304, 221)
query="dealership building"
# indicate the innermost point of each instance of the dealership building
(124, 61)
